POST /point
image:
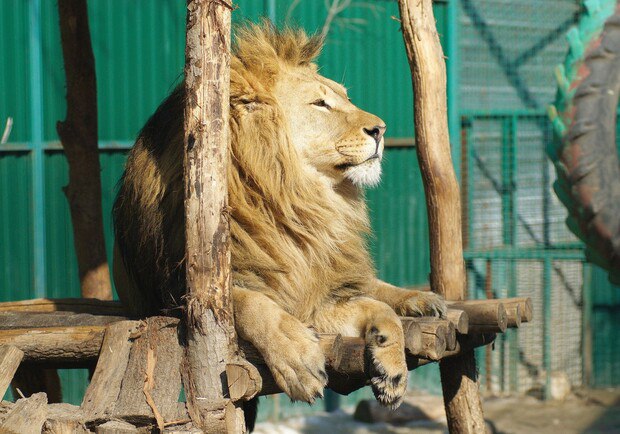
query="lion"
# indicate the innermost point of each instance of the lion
(300, 155)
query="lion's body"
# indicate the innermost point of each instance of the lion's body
(298, 220)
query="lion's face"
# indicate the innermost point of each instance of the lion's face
(332, 135)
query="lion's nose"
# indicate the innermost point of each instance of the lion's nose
(375, 132)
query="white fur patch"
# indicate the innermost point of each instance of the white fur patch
(366, 174)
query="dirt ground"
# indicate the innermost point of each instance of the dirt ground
(584, 411)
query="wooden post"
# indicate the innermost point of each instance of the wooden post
(211, 339)
(78, 134)
(428, 71)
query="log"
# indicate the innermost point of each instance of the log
(23, 320)
(10, 358)
(434, 339)
(514, 314)
(244, 381)
(206, 139)
(27, 416)
(525, 303)
(484, 315)
(78, 135)
(413, 336)
(459, 319)
(92, 306)
(447, 278)
(66, 346)
(151, 383)
(104, 387)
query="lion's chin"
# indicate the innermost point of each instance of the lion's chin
(367, 174)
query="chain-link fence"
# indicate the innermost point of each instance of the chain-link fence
(516, 238)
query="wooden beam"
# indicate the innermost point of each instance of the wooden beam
(10, 358)
(56, 345)
(485, 316)
(76, 305)
(428, 72)
(211, 338)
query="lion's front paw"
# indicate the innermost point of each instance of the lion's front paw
(422, 303)
(387, 367)
(296, 361)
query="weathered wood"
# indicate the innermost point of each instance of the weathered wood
(68, 426)
(58, 345)
(104, 388)
(484, 315)
(23, 320)
(64, 419)
(78, 134)
(525, 303)
(117, 427)
(244, 381)
(434, 339)
(413, 335)
(459, 319)
(428, 72)
(26, 416)
(513, 316)
(209, 302)
(10, 358)
(152, 381)
(76, 305)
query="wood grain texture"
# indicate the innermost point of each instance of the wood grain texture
(428, 72)
(10, 358)
(75, 305)
(206, 140)
(104, 388)
(27, 416)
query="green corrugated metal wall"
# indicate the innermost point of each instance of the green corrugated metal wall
(139, 48)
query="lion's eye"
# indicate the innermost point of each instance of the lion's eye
(321, 103)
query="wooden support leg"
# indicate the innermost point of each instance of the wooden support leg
(428, 71)
(461, 395)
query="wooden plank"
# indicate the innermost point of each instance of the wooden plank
(151, 384)
(76, 305)
(10, 358)
(105, 385)
(27, 416)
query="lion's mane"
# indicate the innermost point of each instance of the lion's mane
(294, 236)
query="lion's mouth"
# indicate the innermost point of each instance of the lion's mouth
(345, 166)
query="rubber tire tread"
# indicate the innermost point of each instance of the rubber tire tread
(587, 158)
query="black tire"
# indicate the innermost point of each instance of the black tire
(585, 155)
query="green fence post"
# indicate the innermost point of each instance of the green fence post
(586, 326)
(36, 137)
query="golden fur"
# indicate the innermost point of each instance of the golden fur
(298, 219)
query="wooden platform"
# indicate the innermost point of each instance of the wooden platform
(137, 378)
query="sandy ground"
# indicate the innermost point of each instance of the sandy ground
(588, 411)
